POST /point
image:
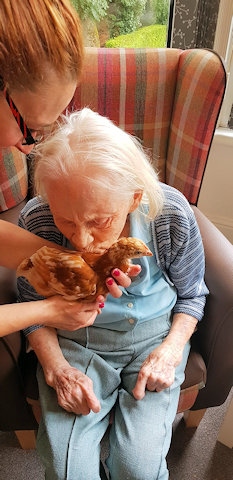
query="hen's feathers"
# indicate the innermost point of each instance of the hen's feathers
(51, 271)
(78, 276)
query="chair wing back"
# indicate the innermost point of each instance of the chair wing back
(169, 98)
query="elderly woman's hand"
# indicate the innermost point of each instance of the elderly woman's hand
(74, 391)
(158, 370)
(122, 279)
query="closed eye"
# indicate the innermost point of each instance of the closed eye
(101, 223)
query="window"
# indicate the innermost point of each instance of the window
(224, 46)
(120, 23)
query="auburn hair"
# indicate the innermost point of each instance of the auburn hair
(36, 35)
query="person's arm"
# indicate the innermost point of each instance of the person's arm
(54, 312)
(17, 244)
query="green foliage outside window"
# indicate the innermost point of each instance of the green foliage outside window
(154, 36)
(91, 9)
(161, 11)
(123, 17)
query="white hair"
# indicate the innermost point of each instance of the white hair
(93, 147)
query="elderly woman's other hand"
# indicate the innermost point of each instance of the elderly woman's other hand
(121, 279)
(158, 370)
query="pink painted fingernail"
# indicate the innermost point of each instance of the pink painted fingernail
(101, 305)
(110, 281)
(116, 272)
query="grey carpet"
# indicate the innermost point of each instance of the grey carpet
(195, 454)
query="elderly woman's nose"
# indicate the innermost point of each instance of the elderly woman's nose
(82, 239)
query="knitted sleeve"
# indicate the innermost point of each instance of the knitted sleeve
(180, 252)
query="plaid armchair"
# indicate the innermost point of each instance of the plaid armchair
(170, 99)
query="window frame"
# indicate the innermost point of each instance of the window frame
(223, 45)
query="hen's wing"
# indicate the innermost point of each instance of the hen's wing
(51, 271)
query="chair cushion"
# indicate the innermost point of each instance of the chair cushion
(13, 178)
(195, 380)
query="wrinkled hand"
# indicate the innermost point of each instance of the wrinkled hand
(122, 279)
(71, 315)
(75, 391)
(158, 370)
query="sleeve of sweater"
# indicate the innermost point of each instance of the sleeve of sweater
(180, 252)
(36, 218)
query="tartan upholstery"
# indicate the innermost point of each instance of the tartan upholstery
(13, 178)
(169, 98)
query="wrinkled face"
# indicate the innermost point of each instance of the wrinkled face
(92, 218)
(38, 109)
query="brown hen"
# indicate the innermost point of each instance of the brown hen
(77, 275)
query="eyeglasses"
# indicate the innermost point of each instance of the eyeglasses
(28, 138)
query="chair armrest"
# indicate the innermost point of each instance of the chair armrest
(215, 331)
(15, 413)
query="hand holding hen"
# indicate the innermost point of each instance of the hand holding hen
(77, 275)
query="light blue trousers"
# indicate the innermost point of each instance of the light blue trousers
(140, 436)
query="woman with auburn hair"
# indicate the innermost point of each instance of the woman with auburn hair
(41, 56)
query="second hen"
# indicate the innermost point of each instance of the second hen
(77, 275)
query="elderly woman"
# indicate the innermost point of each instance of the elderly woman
(96, 185)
